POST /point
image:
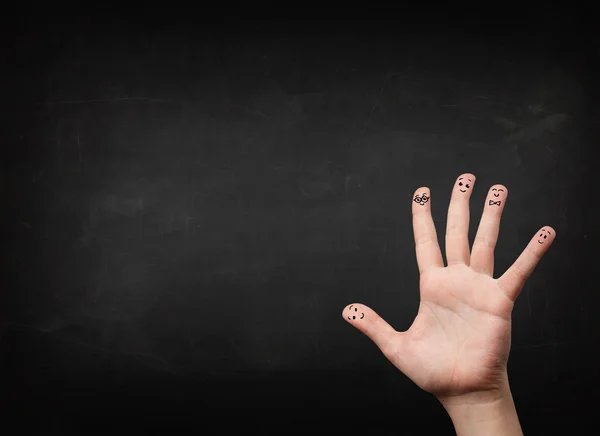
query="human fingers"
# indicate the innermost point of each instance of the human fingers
(457, 226)
(426, 243)
(482, 253)
(371, 324)
(514, 278)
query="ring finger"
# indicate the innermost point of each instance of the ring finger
(482, 255)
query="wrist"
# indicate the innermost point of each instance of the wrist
(487, 412)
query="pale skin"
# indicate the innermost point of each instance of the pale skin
(457, 348)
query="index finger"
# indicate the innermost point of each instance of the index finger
(514, 278)
(426, 242)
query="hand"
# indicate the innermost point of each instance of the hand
(459, 342)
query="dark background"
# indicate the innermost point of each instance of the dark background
(188, 205)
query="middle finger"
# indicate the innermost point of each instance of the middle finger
(457, 226)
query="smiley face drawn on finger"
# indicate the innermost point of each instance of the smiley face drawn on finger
(422, 199)
(355, 313)
(543, 236)
(464, 183)
(497, 195)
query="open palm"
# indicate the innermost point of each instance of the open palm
(459, 341)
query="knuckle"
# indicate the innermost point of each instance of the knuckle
(501, 285)
(389, 347)
(426, 238)
(455, 230)
(518, 272)
(537, 256)
(426, 282)
(484, 242)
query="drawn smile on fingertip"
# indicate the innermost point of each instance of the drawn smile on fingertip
(544, 236)
(354, 316)
(495, 194)
(466, 185)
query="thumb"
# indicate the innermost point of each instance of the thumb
(371, 324)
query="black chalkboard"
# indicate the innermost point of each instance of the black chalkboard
(186, 213)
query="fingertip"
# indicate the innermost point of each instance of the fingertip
(550, 231)
(463, 186)
(468, 176)
(421, 198)
(346, 313)
(371, 324)
(344, 310)
(543, 238)
(355, 312)
(496, 197)
(498, 187)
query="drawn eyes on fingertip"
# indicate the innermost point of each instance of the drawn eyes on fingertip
(544, 233)
(355, 313)
(421, 199)
(464, 183)
(497, 195)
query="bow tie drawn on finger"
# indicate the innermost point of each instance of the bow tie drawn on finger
(422, 199)
(497, 203)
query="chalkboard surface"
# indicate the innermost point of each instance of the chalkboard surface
(185, 215)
